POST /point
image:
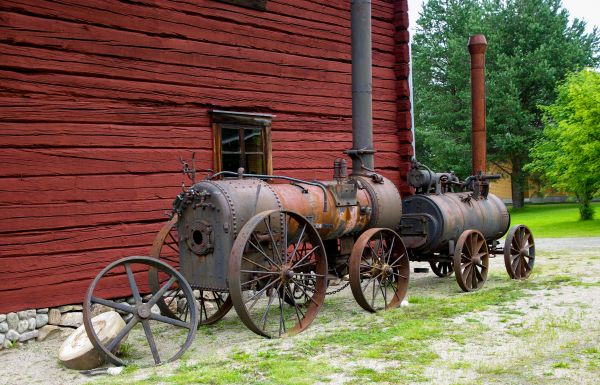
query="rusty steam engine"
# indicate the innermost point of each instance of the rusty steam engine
(269, 246)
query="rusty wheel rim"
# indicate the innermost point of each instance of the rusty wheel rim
(471, 260)
(213, 305)
(264, 270)
(442, 268)
(379, 270)
(519, 252)
(140, 312)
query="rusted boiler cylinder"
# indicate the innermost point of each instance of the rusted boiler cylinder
(432, 222)
(212, 212)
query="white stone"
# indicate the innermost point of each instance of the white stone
(404, 303)
(28, 336)
(43, 311)
(2, 318)
(13, 320)
(23, 326)
(12, 335)
(31, 323)
(2, 338)
(64, 309)
(3, 327)
(22, 315)
(7, 344)
(98, 309)
(30, 313)
(41, 320)
(73, 319)
(48, 331)
(155, 309)
(54, 316)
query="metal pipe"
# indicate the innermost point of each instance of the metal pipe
(362, 89)
(477, 47)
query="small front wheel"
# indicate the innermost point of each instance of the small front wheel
(519, 252)
(379, 270)
(471, 260)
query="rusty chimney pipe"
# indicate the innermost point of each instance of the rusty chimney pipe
(477, 47)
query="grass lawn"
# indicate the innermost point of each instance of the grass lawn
(556, 220)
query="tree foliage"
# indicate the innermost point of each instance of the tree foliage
(531, 46)
(568, 155)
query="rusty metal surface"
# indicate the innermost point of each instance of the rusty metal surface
(519, 252)
(264, 269)
(477, 47)
(212, 305)
(338, 220)
(446, 216)
(379, 270)
(384, 201)
(471, 260)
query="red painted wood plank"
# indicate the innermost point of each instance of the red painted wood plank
(43, 60)
(59, 215)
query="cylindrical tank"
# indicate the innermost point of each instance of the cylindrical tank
(211, 214)
(431, 221)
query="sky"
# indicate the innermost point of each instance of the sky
(588, 10)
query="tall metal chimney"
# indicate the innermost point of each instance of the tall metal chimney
(477, 47)
(362, 89)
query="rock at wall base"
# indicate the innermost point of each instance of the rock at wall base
(41, 320)
(73, 320)
(12, 319)
(28, 336)
(12, 335)
(48, 331)
(23, 326)
(54, 316)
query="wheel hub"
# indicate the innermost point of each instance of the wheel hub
(287, 274)
(144, 311)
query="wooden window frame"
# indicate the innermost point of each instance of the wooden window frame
(244, 120)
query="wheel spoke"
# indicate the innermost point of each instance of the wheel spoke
(115, 305)
(264, 317)
(298, 243)
(260, 250)
(306, 256)
(170, 321)
(133, 285)
(267, 221)
(113, 344)
(150, 338)
(162, 291)
(255, 263)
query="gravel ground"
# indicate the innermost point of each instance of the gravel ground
(496, 347)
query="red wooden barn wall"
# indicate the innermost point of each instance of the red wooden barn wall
(99, 98)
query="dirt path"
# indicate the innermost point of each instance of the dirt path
(546, 337)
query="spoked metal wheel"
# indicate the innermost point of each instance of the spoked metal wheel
(442, 268)
(471, 260)
(277, 255)
(519, 252)
(152, 331)
(213, 305)
(379, 270)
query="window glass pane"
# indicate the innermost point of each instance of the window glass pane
(253, 140)
(255, 164)
(230, 139)
(231, 162)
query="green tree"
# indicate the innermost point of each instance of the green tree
(568, 155)
(531, 46)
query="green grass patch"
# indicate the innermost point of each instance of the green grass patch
(556, 220)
